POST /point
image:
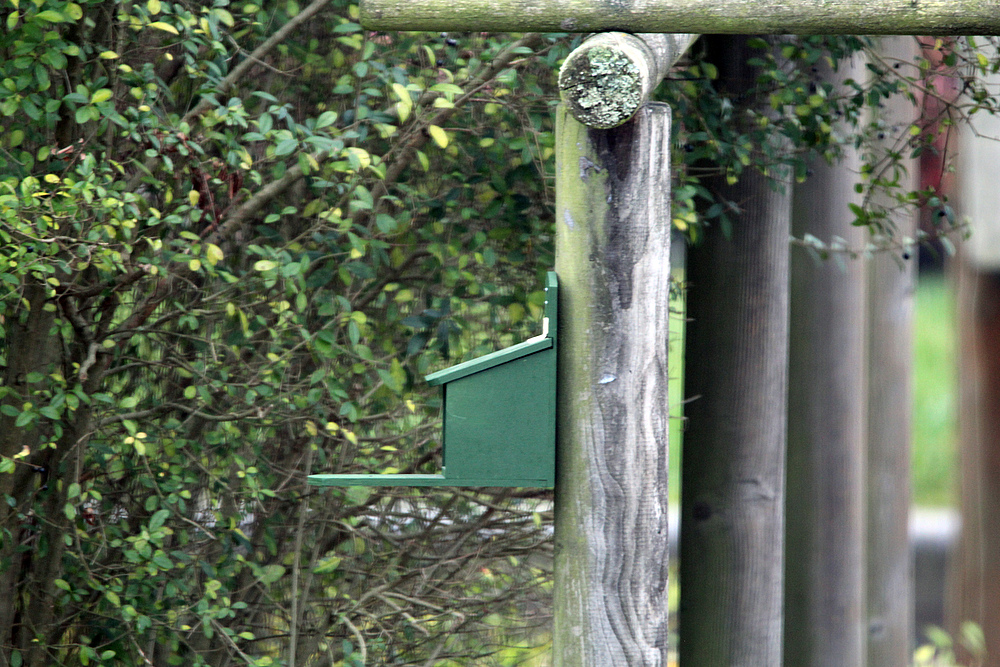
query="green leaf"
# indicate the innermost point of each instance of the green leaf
(158, 519)
(327, 565)
(386, 223)
(24, 419)
(325, 119)
(161, 561)
(165, 27)
(358, 495)
(264, 265)
(51, 16)
(285, 147)
(271, 574)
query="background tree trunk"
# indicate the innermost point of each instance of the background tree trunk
(613, 261)
(891, 283)
(824, 572)
(732, 514)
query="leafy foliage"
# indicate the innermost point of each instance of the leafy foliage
(223, 269)
(233, 236)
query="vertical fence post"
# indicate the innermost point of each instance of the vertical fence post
(613, 261)
(736, 357)
(890, 396)
(825, 536)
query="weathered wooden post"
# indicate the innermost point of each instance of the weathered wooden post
(732, 504)
(613, 260)
(775, 17)
(891, 284)
(974, 583)
(825, 536)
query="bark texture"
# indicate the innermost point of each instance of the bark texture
(732, 514)
(892, 280)
(612, 257)
(805, 17)
(825, 536)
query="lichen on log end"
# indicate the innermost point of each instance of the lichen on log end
(602, 86)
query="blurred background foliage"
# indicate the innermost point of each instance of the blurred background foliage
(234, 235)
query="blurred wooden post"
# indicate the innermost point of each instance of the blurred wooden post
(975, 579)
(827, 403)
(891, 283)
(732, 505)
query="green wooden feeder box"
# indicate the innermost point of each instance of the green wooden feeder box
(499, 417)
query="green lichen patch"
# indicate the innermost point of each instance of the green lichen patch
(603, 87)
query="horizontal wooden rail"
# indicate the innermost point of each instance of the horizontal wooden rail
(805, 17)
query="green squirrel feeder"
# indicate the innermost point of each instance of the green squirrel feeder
(499, 417)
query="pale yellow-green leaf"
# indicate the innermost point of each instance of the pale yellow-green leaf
(224, 16)
(442, 103)
(327, 565)
(213, 254)
(439, 136)
(362, 155)
(403, 110)
(265, 265)
(194, 264)
(100, 95)
(108, 55)
(153, 6)
(193, 197)
(165, 27)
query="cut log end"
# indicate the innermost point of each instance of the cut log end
(603, 86)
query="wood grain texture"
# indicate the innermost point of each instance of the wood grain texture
(612, 257)
(732, 505)
(974, 580)
(892, 281)
(825, 622)
(605, 80)
(885, 17)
